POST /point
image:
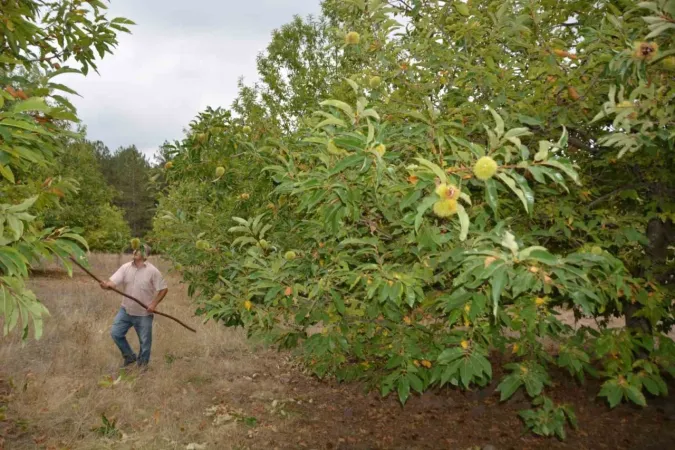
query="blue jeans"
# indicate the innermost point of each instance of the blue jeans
(143, 327)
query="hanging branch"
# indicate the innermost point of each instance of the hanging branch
(130, 297)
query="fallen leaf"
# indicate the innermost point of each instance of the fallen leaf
(195, 446)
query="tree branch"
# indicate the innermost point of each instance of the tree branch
(130, 297)
(613, 193)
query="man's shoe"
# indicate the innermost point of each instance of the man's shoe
(127, 363)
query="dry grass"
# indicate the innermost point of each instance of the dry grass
(163, 408)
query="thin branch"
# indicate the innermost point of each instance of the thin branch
(613, 193)
(130, 297)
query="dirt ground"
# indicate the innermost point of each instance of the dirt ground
(212, 390)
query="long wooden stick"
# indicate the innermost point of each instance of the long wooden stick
(129, 296)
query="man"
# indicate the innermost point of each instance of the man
(143, 281)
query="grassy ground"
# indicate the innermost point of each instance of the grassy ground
(210, 390)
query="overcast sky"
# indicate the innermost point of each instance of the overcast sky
(181, 57)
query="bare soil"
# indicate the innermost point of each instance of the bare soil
(213, 390)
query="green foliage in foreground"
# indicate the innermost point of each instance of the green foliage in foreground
(36, 39)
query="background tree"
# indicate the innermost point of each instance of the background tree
(90, 209)
(127, 171)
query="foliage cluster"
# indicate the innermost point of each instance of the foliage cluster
(37, 38)
(455, 176)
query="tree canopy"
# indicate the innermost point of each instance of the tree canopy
(414, 187)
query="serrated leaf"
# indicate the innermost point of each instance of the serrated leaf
(542, 154)
(340, 105)
(23, 206)
(498, 281)
(509, 386)
(31, 104)
(403, 388)
(660, 29)
(491, 196)
(612, 391)
(353, 84)
(527, 120)
(499, 127)
(517, 132)
(634, 395)
(434, 168)
(422, 208)
(332, 121)
(567, 168)
(510, 182)
(509, 241)
(464, 222)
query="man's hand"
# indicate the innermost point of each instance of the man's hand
(105, 285)
(158, 298)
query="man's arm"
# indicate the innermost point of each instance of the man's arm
(107, 284)
(161, 287)
(116, 279)
(158, 298)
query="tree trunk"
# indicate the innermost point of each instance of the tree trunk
(659, 235)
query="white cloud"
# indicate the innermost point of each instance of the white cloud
(181, 57)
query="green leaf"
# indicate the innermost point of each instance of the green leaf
(6, 172)
(64, 88)
(525, 187)
(464, 222)
(417, 115)
(403, 388)
(352, 83)
(517, 132)
(422, 208)
(461, 8)
(415, 382)
(659, 29)
(499, 127)
(516, 190)
(340, 105)
(21, 124)
(634, 395)
(509, 241)
(565, 167)
(542, 256)
(527, 120)
(562, 142)
(434, 168)
(498, 282)
(339, 303)
(23, 206)
(331, 121)
(77, 238)
(491, 196)
(612, 391)
(31, 104)
(542, 154)
(509, 386)
(537, 174)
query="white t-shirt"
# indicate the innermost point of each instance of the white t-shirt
(141, 283)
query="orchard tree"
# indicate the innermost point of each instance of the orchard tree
(479, 168)
(38, 41)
